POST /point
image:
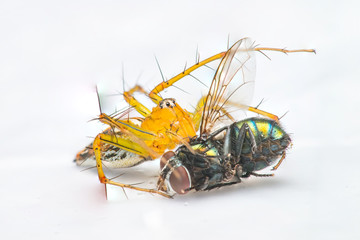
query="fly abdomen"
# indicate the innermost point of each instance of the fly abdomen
(271, 143)
(262, 128)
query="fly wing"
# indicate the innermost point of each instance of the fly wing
(232, 87)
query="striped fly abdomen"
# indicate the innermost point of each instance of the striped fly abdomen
(271, 143)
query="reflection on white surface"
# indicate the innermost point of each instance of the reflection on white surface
(53, 53)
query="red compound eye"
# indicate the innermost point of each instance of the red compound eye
(180, 180)
(165, 157)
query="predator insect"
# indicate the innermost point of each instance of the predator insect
(126, 143)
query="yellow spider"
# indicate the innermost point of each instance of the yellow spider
(126, 144)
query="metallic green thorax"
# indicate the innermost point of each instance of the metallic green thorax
(208, 150)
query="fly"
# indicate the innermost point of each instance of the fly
(242, 149)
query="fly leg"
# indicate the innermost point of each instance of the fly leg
(279, 162)
(248, 174)
(238, 146)
(245, 129)
(121, 143)
(261, 175)
(223, 184)
(232, 150)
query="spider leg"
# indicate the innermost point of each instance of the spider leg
(283, 50)
(163, 85)
(129, 98)
(255, 110)
(124, 144)
(197, 114)
(127, 125)
(263, 113)
(128, 95)
(153, 95)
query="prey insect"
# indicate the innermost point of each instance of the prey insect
(126, 144)
(225, 156)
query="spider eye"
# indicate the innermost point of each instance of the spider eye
(167, 102)
(180, 180)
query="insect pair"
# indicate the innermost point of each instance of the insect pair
(224, 151)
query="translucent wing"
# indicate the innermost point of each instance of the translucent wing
(232, 87)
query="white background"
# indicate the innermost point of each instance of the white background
(53, 53)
